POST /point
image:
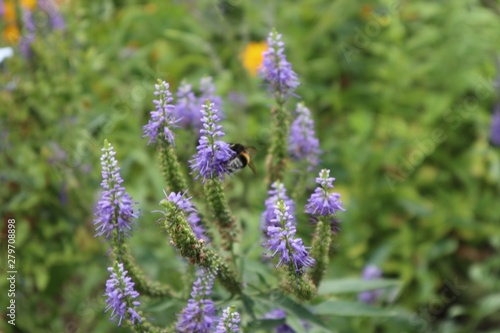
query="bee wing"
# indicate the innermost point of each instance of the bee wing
(251, 151)
(250, 164)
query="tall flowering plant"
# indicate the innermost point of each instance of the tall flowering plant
(296, 238)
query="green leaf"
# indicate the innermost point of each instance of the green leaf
(22, 232)
(262, 324)
(354, 309)
(354, 285)
(490, 304)
(280, 300)
(249, 304)
(41, 277)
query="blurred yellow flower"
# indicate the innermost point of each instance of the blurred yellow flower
(9, 13)
(29, 4)
(10, 33)
(252, 56)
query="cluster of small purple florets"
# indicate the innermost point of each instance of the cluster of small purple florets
(192, 218)
(324, 202)
(279, 224)
(212, 154)
(121, 295)
(188, 105)
(162, 119)
(281, 240)
(302, 142)
(115, 208)
(199, 314)
(275, 69)
(229, 322)
(276, 193)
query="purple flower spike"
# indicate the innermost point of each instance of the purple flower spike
(276, 70)
(302, 142)
(162, 119)
(193, 219)
(55, 17)
(371, 296)
(229, 322)
(187, 108)
(495, 126)
(198, 316)
(323, 202)
(281, 240)
(207, 90)
(28, 38)
(213, 155)
(121, 296)
(115, 209)
(276, 193)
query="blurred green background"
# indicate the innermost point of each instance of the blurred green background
(401, 93)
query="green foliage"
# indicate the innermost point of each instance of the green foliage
(401, 93)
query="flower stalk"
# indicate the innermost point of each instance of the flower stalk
(159, 129)
(211, 165)
(282, 80)
(224, 220)
(320, 249)
(322, 206)
(195, 250)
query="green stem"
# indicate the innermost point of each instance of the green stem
(300, 286)
(183, 238)
(170, 168)
(223, 218)
(277, 158)
(121, 253)
(146, 327)
(144, 285)
(320, 249)
(300, 185)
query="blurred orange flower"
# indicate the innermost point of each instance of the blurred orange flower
(252, 56)
(11, 31)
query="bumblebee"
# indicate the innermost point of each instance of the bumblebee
(242, 158)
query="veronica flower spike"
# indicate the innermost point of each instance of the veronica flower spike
(115, 210)
(159, 131)
(191, 213)
(322, 205)
(276, 70)
(213, 155)
(121, 296)
(282, 80)
(207, 91)
(163, 118)
(229, 321)
(276, 193)
(199, 314)
(303, 145)
(282, 241)
(323, 202)
(187, 107)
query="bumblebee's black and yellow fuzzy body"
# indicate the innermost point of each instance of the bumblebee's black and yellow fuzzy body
(242, 158)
